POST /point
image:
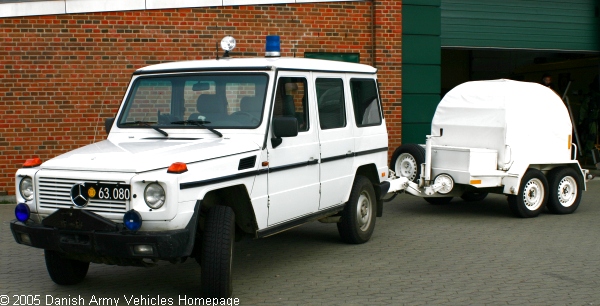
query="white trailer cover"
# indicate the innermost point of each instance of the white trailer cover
(524, 122)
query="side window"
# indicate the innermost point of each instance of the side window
(365, 102)
(291, 100)
(330, 101)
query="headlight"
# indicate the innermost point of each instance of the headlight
(26, 188)
(154, 195)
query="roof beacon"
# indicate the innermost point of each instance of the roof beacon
(227, 44)
(273, 46)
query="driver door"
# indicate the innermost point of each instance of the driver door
(293, 165)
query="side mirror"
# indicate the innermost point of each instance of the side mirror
(283, 127)
(108, 123)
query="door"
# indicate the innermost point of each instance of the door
(293, 164)
(335, 136)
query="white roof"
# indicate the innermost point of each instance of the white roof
(272, 62)
(529, 118)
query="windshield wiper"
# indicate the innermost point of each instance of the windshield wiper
(146, 123)
(199, 123)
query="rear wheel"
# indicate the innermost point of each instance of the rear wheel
(532, 196)
(217, 252)
(565, 190)
(65, 271)
(407, 160)
(358, 217)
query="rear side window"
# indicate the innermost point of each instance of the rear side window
(330, 100)
(365, 102)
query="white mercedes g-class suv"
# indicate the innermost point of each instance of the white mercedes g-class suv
(203, 152)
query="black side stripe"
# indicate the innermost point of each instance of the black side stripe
(295, 165)
(220, 179)
(274, 169)
(338, 157)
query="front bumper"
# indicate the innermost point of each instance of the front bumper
(87, 236)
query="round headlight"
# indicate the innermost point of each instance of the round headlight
(26, 188)
(154, 195)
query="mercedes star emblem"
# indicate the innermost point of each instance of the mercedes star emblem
(79, 196)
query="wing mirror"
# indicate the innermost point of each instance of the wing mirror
(283, 127)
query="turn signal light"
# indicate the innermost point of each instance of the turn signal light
(32, 162)
(177, 168)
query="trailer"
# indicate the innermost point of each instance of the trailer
(499, 136)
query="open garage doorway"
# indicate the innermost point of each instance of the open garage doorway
(574, 75)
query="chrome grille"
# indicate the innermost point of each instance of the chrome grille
(54, 193)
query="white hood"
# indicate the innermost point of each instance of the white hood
(145, 155)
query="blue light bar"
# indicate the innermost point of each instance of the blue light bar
(273, 46)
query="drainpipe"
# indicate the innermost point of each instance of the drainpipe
(373, 38)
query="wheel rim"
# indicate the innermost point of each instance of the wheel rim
(567, 191)
(406, 166)
(533, 194)
(363, 211)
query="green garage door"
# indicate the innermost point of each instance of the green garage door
(421, 70)
(571, 25)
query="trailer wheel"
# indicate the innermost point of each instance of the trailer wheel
(532, 196)
(438, 200)
(65, 271)
(407, 160)
(358, 217)
(565, 190)
(217, 253)
(473, 196)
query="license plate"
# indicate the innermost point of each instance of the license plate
(103, 191)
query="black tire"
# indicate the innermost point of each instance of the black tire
(406, 161)
(532, 196)
(217, 253)
(358, 217)
(438, 200)
(473, 196)
(64, 271)
(565, 190)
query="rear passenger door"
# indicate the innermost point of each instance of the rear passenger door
(335, 137)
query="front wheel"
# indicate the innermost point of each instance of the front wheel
(358, 217)
(65, 271)
(217, 253)
(565, 190)
(532, 196)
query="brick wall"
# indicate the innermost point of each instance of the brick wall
(62, 75)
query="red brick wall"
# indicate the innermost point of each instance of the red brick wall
(62, 75)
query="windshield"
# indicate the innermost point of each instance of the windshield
(192, 101)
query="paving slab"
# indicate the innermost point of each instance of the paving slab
(463, 253)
